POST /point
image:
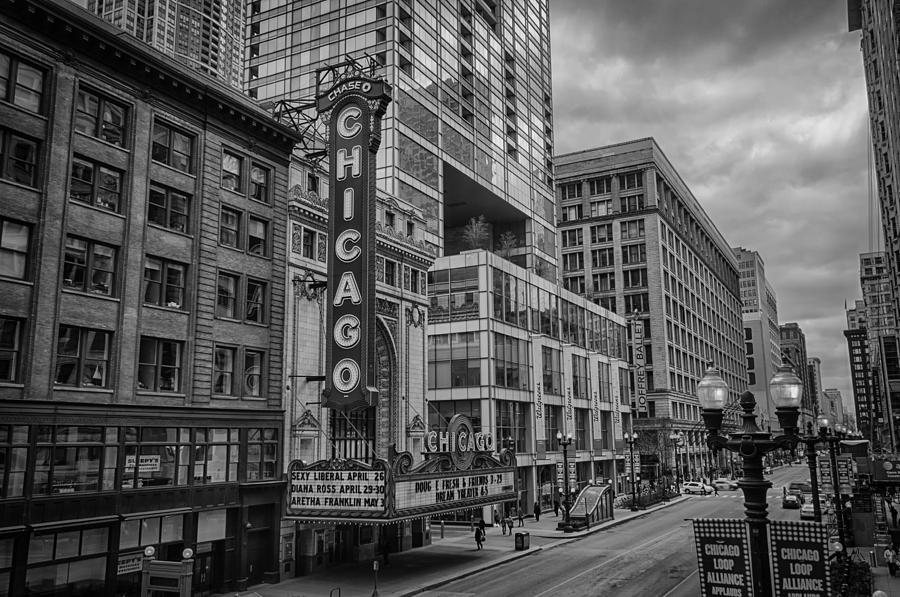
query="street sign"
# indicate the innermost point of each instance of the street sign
(798, 553)
(845, 474)
(723, 556)
(560, 473)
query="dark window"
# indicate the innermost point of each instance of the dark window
(262, 454)
(10, 353)
(259, 183)
(89, 266)
(18, 159)
(255, 308)
(21, 83)
(226, 296)
(172, 147)
(95, 184)
(223, 371)
(159, 365)
(169, 208)
(253, 366)
(257, 236)
(99, 117)
(164, 283)
(15, 240)
(82, 357)
(230, 228)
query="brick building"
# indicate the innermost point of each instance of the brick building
(142, 254)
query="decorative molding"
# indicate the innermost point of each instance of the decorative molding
(415, 317)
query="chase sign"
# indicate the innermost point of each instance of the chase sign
(352, 108)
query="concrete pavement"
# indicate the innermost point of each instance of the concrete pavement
(445, 560)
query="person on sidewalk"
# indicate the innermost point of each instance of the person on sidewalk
(555, 508)
(509, 521)
(503, 524)
(537, 511)
(893, 515)
(481, 526)
(496, 518)
(479, 538)
(716, 489)
(521, 517)
(889, 559)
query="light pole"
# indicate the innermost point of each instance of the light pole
(752, 443)
(630, 438)
(677, 440)
(564, 443)
(810, 442)
(832, 436)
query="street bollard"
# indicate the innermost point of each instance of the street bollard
(375, 569)
(442, 528)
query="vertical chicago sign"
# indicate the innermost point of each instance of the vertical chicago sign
(352, 108)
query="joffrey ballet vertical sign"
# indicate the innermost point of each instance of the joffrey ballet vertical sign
(352, 109)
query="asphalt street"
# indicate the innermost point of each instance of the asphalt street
(650, 555)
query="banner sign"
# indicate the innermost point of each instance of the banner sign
(148, 463)
(355, 487)
(798, 553)
(560, 474)
(887, 469)
(723, 555)
(352, 109)
(436, 491)
(640, 364)
(633, 462)
(845, 474)
(826, 485)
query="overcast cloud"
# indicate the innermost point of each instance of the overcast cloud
(761, 107)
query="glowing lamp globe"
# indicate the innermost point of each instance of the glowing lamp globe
(712, 390)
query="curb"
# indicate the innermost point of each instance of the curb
(532, 551)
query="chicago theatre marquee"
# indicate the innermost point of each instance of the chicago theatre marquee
(365, 476)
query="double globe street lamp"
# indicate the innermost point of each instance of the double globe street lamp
(564, 442)
(630, 438)
(752, 444)
(677, 440)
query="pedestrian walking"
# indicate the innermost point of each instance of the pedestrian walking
(521, 517)
(509, 521)
(893, 515)
(555, 508)
(479, 538)
(481, 526)
(890, 559)
(784, 491)
(537, 511)
(496, 518)
(715, 489)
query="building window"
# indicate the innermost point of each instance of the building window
(571, 190)
(632, 229)
(511, 425)
(635, 278)
(20, 83)
(454, 294)
(10, 352)
(14, 459)
(95, 184)
(216, 457)
(552, 425)
(259, 183)
(601, 208)
(441, 411)
(572, 237)
(89, 266)
(571, 213)
(231, 171)
(579, 377)
(608, 303)
(454, 360)
(57, 561)
(581, 426)
(552, 370)
(164, 282)
(18, 158)
(255, 308)
(602, 258)
(15, 239)
(223, 370)
(600, 186)
(574, 284)
(631, 180)
(230, 228)
(637, 302)
(159, 365)
(634, 254)
(511, 362)
(604, 282)
(601, 233)
(573, 261)
(262, 454)
(308, 246)
(82, 357)
(253, 368)
(257, 236)
(99, 117)
(172, 147)
(631, 203)
(226, 296)
(390, 272)
(169, 208)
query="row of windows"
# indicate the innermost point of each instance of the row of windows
(602, 185)
(89, 458)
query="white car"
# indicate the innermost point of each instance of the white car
(807, 511)
(696, 487)
(725, 484)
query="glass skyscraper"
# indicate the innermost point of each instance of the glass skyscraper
(469, 132)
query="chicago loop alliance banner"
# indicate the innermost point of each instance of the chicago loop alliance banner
(723, 555)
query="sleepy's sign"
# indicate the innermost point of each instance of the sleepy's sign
(352, 109)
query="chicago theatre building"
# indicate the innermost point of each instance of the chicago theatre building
(142, 254)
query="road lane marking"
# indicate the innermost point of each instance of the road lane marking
(609, 561)
(684, 580)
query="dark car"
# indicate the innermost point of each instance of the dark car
(791, 501)
(798, 488)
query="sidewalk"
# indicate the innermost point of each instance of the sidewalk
(454, 556)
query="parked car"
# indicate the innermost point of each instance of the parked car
(798, 488)
(724, 484)
(790, 501)
(767, 470)
(696, 487)
(807, 511)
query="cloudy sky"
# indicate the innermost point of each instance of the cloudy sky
(761, 108)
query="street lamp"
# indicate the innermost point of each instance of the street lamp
(752, 443)
(630, 438)
(564, 442)
(810, 442)
(831, 436)
(677, 440)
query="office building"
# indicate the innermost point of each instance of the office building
(636, 241)
(868, 404)
(469, 131)
(142, 235)
(814, 371)
(759, 311)
(833, 405)
(793, 352)
(878, 26)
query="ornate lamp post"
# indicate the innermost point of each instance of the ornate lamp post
(564, 442)
(832, 435)
(752, 443)
(810, 442)
(630, 438)
(677, 440)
